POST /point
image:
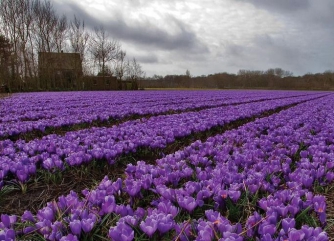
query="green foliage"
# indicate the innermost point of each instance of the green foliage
(5, 190)
(296, 157)
(305, 217)
(234, 211)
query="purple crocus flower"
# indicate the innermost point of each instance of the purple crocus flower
(75, 226)
(320, 207)
(322, 237)
(329, 176)
(183, 231)
(267, 237)
(167, 193)
(87, 225)
(188, 203)
(7, 220)
(205, 232)
(132, 187)
(69, 237)
(234, 195)
(28, 230)
(22, 175)
(146, 181)
(168, 208)
(149, 226)
(131, 220)
(57, 231)
(7, 234)
(293, 209)
(308, 181)
(48, 163)
(117, 185)
(165, 223)
(250, 224)
(303, 154)
(287, 224)
(109, 204)
(45, 213)
(44, 227)
(122, 232)
(296, 235)
(27, 216)
(123, 210)
(282, 210)
(232, 237)
(266, 228)
(308, 231)
(140, 212)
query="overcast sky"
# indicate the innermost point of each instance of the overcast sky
(211, 36)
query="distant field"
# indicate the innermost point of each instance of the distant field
(167, 165)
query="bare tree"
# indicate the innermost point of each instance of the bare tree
(120, 66)
(25, 18)
(134, 72)
(45, 24)
(49, 33)
(10, 25)
(59, 33)
(33, 27)
(79, 39)
(188, 73)
(5, 57)
(103, 49)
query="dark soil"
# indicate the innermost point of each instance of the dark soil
(330, 212)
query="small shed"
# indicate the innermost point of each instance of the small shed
(59, 70)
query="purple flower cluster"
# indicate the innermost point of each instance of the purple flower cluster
(36, 111)
(279, 158)
(79, 147)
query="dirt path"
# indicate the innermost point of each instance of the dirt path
(330, 212)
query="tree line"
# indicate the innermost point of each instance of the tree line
(274, 78)
(28, 27)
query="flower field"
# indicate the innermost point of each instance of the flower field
(167, 165)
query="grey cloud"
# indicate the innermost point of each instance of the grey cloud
(145, 33)
(267, 52)
(70, 9)
(302, 43)
(278, 51)
(151, 36)
(280, 5)
(147, 59)
(321, 14)
(233, 50)
(309, 13)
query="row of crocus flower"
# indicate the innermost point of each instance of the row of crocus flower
(265, 156)
(78, 147)
(24, 113)
(34, 105)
